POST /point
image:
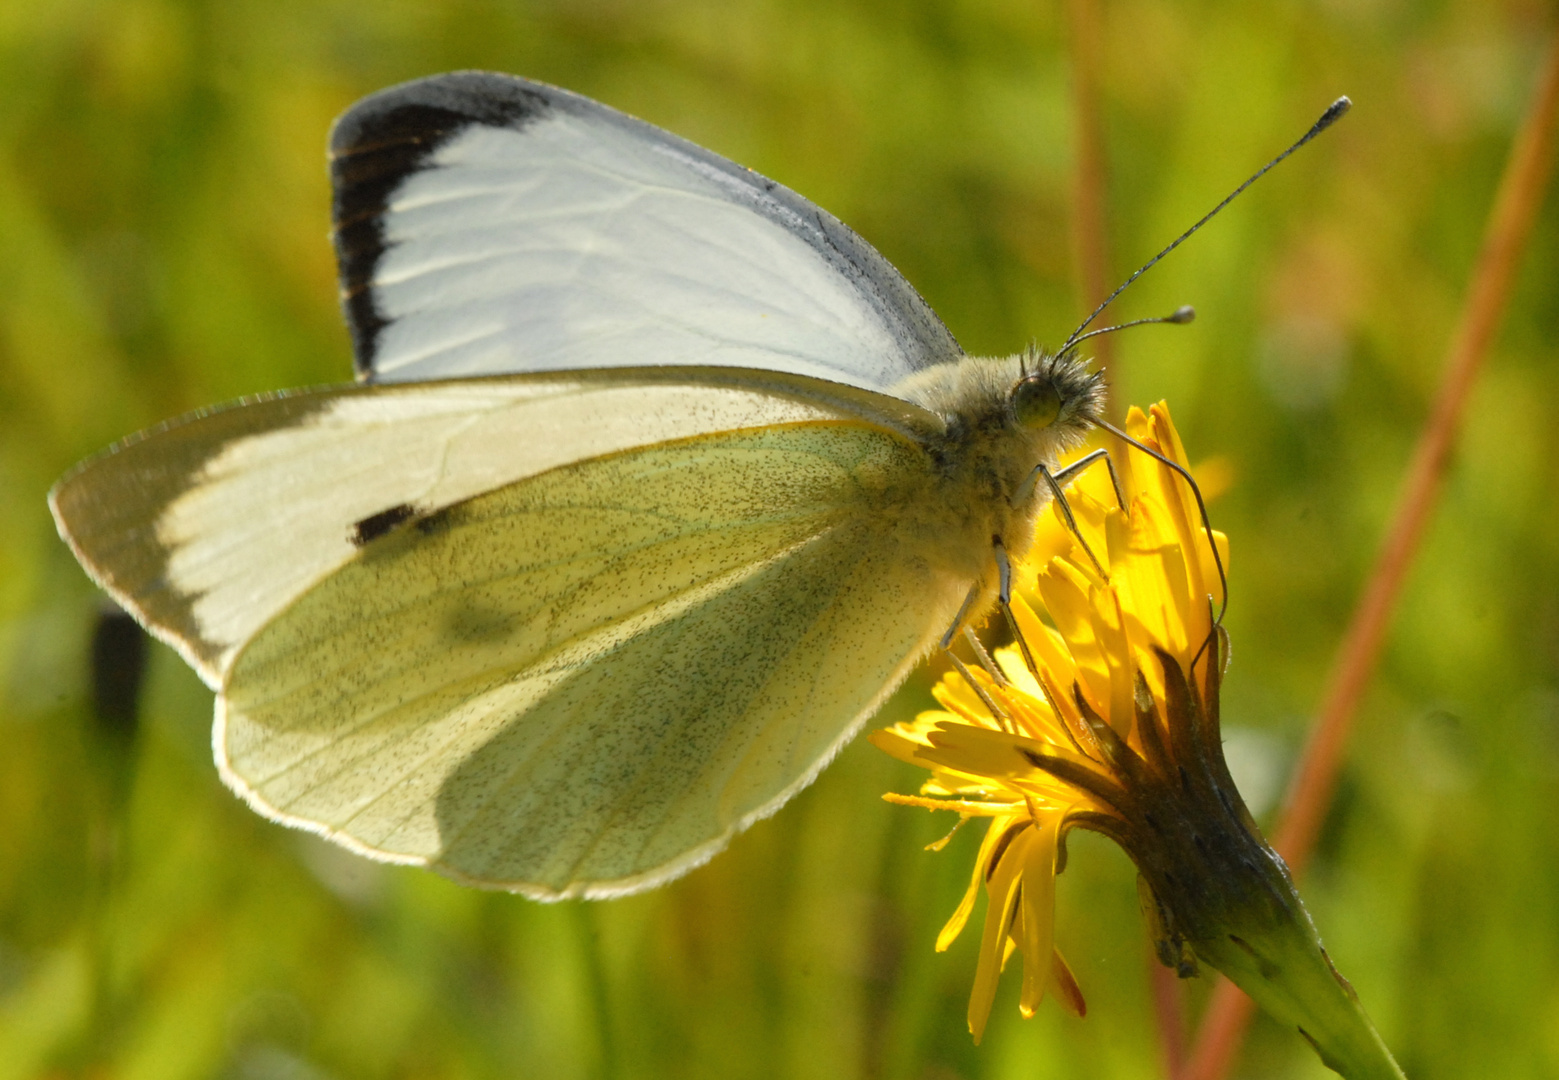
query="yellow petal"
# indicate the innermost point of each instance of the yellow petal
(1089, 510)
(1047, 644)
(1000, 758)
(1139, 427)
(1182, 504)
(1009, 659)
(1110, 632)
(955, 925)
(1065, 592)
(1037, 921)
(1055, 662)
(1001, 889)
(1052, 540)
(1034, 715)
(1204, 552)
(980, 751)
(965, 807)
(893, 741)
(923, 722)
(987, 753)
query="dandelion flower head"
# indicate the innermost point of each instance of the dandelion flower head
(1111, 693)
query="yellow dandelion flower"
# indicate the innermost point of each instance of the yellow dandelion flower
(1104, 716)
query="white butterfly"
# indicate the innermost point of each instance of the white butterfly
(658, 481)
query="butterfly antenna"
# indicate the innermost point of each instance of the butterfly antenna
(1328, 118)
(1179, 317)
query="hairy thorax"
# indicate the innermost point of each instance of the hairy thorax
(981, 490)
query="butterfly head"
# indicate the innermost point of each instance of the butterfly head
(1056, 393)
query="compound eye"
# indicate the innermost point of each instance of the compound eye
(1036, 402)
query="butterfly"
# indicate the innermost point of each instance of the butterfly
(655, 482)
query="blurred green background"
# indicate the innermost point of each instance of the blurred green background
(163, 217)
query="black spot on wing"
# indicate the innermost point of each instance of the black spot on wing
(381, 141)
(438, 521)
(376, 525)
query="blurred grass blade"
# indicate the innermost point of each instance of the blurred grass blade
(1090, 234)
(1091, 241)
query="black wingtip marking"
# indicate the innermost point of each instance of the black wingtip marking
(376, 525)
(381, 141)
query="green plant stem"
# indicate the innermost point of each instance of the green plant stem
(1285, 970)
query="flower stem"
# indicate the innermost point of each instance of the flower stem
(1215, 894)
(1284, 968)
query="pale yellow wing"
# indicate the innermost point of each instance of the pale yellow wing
(208, 527)
(587, 681)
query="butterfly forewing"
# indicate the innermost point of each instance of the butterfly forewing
(488, 224)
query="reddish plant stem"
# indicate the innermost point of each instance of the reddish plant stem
(1219, 1035)
(1091, 241)
(1510, 224)
(1170, 1011)
(1310, 792)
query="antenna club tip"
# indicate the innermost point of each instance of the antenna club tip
(1181, 315)
(1334, 112)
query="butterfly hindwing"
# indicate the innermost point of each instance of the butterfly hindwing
(488, 224)
(587, 681)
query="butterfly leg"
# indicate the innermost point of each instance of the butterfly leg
(1066, 513)
(1065, 476)
(963, 613)
(1004, 601)
(997, 712)
(1062, 477)
(979, 651)
(1058, 480)
(984, 657)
